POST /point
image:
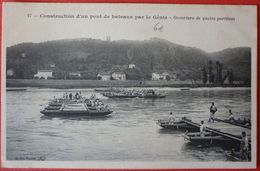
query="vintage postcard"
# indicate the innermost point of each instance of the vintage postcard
(128, 86)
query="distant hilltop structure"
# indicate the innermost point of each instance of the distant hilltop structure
(163, 76)
(118, 76)
(131, 66)
(10, 73)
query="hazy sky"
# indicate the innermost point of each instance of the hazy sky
(208, 35)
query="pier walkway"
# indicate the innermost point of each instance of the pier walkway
(224, 129)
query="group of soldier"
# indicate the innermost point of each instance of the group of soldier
(244, 145)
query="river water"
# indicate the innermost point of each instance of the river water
(130, 133)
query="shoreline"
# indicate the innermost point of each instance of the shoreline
(65, 84)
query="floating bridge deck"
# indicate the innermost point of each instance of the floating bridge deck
(224, 129)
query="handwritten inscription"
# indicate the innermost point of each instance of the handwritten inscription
(158, 27)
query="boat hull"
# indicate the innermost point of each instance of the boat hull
(75, 113)
(176, 125)
(208, 138)
(121, 96)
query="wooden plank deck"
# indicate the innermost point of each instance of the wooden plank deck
(224, 129)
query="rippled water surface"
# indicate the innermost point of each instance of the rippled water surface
(130, 133)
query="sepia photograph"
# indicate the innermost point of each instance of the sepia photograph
(128, 86)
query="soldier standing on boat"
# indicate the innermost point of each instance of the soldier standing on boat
(244, 147)
(231, 116)
(202, 129)
(213, 110)
(171, 117)
(77, 95)
(54, 99)
(70, 96)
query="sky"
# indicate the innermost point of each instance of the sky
(27, 22)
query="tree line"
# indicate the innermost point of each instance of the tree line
(211, 76)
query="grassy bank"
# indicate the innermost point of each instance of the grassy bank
(99, 83)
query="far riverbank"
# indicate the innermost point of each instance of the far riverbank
(64, 84)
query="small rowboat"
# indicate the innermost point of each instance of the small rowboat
(167, 124)
(207, 137)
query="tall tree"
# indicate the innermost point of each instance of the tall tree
(204, 75)
(217, 72)
(230, 77)
(211, 77)
(220, 73)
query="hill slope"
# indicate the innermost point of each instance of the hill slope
(91, 56)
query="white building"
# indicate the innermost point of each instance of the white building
(104, 76)
(52, 65)
(10, 73)
(119, 76)
(44, 74)
(131, 66)
(160, 76)
(156, 76)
